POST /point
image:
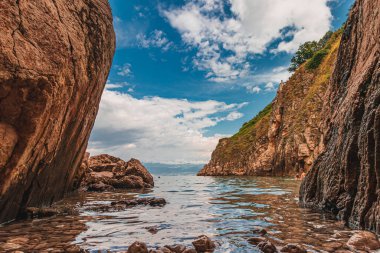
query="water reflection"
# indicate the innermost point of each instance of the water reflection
(225, 208)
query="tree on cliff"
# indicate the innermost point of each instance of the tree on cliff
(307, 50)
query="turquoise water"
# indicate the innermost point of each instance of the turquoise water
(224, 208)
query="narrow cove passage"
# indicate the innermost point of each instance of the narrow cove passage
(226, 209)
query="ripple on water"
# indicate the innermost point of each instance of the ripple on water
(225, 208)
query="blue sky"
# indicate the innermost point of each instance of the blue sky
(186, 73)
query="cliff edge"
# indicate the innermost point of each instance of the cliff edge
(54, 61)
(345, 178)
(285, 137)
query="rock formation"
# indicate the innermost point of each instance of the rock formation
(55, 56)
(285, 137)
(105, 172)
(345, 178)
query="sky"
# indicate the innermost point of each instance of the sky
(189, 72)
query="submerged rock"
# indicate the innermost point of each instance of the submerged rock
(293, 248)
(55, 59)
(106, 172)
(256, 240)
(141, 201)
(365, 241)
(259, 230)
(202, 245)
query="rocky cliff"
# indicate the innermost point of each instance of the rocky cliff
(55, 56)
(345, 178)
(285, 137)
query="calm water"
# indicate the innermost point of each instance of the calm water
(224, 208)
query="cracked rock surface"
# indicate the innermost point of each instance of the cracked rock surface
(345, 178)
(55, 56)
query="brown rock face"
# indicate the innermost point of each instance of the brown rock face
(283, 139)
(55, 56)
(345, 178)
(106, 172)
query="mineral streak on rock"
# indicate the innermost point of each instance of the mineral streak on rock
(345, 178)
(55, 56)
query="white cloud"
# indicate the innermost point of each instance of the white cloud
(124, 70)
(270, 86)
(156, 129)
(157, 38)
(224, 41)
(266, 81)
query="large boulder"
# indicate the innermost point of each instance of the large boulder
(345, 178)
(108, 170)
(364, 241)
(55, 57)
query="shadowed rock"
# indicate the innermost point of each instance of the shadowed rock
(345, 178)
(55, 57)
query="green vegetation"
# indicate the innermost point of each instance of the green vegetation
(308, 50)
(256, 119)
(316, 60)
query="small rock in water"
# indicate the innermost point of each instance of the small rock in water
(137, 247)
(293, 248)
(267, 247)
(259, 230)
(152, 229)
(256, 240)
(363, 240)
(204, 244)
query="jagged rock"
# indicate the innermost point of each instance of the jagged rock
(345, 178)
(138, 247)
(365, 241)
(204, 244)
(51, 80)
(135, 168)
(285, 138)
(293, 248)
(115, 172)
(267, 247)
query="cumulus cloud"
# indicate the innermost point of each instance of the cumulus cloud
(156, 38)
(124, 70)
(225, 39)
(156, 129)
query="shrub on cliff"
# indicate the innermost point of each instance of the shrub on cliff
(316, 60)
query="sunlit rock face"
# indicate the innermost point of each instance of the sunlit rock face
(54, 61)
(286, 137)
(345, 178)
